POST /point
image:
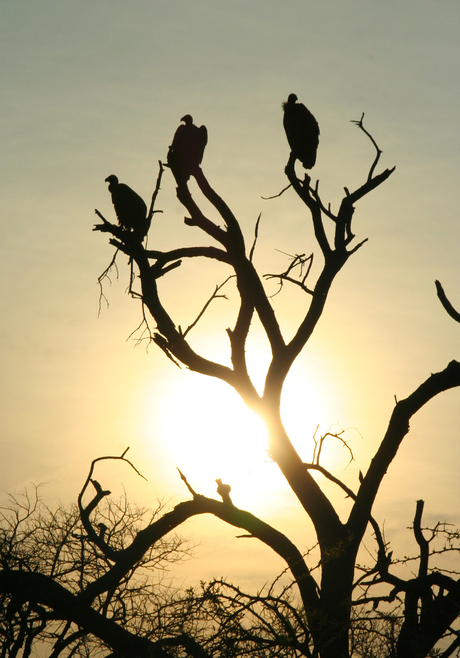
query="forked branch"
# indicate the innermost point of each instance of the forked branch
(360, 125)
(85, 512)
(214, 296)
(397, 430)
(300, 261)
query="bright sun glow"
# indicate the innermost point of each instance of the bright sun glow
(211, 433)
(203, 428)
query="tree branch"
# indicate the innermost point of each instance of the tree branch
(360, 125)
(155, 192)
(100, 494)
(43, 590)
(421, 541)
(209, 301)
(446, 303)
(397, 430)
(232, 515)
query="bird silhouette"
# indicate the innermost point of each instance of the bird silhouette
(302, 131)
(224, 491)
(186, 151)
(130, 208)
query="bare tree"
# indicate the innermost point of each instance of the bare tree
(49, 561)
(54, 561)
(328, 603)
(325, 622)
(80, 580)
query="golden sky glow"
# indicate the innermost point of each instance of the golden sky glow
(91, 89)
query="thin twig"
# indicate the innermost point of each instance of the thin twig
(319, 444)
(256, 235)
(186, 482)
(203, 310)
(360, 125)
(105, 275)
(327, 211)
(147, 329)
(155, 192)
(105, 458)
(299, 260)
(275, 196)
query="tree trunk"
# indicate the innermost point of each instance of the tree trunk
(336, 588)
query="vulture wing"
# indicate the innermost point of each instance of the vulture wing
(201, 139)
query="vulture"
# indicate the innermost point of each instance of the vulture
(302, 131)
(186, 151)
(129, 207)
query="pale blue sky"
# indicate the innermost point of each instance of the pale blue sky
(90, 89)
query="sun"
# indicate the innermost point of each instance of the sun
(208, 433)
(201, 426)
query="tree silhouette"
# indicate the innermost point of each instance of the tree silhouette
(329, 608)
(323, 623)
(49, 560)
(328, 603)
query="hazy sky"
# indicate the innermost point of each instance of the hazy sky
(94, 88)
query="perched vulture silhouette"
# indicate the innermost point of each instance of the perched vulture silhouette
(186, 151)
(129, 207)
(302, 131)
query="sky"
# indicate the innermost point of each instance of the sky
(90, 89)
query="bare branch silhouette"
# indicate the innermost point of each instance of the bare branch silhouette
(446, 303)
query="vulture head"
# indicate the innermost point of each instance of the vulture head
(292, 100)
(111, 179)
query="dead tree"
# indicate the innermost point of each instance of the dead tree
(327, 604)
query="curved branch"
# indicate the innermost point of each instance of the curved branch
(188, 252)
(360, 125)
(281, 365)
(85, 512)
(313, 204)
(397, 430)
(235, 235)
(446, 303)
(197, 218)
(172, 337)
(232, 515)
(249, 285)
(40, 589)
